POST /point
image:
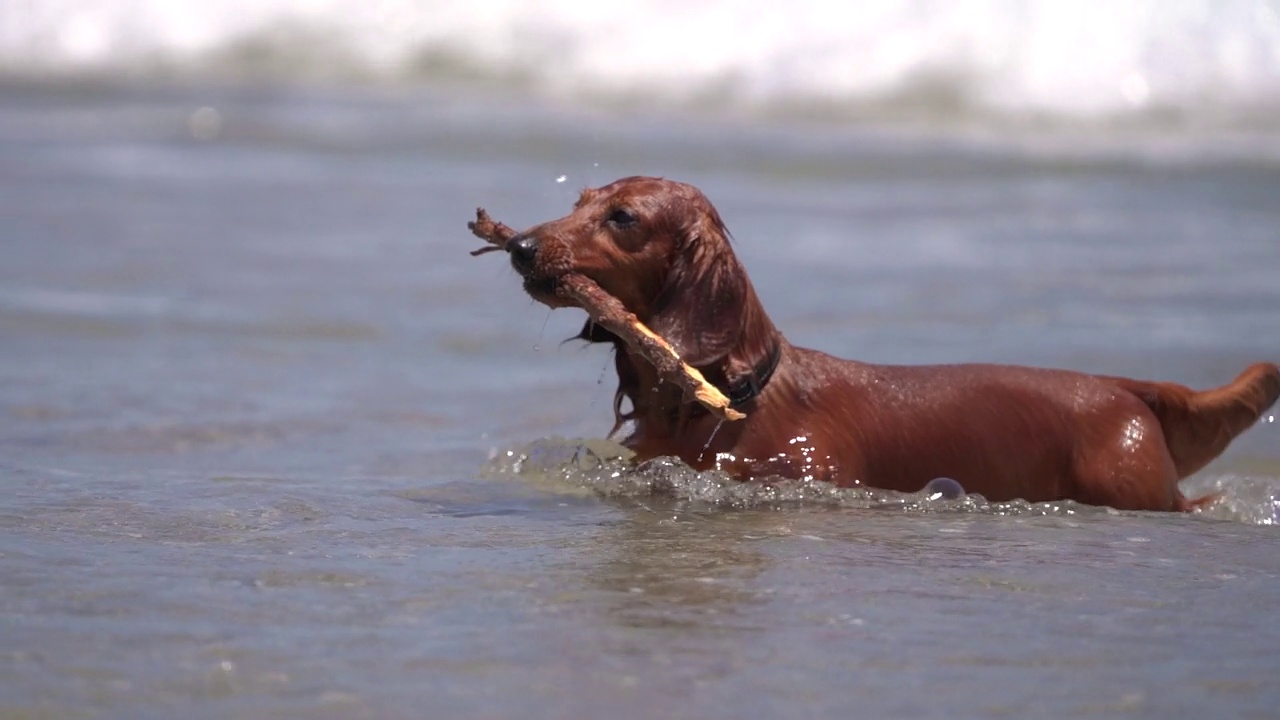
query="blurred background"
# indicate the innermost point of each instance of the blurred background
(1142, 65)
(265, 427)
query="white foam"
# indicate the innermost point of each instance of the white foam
(1212, 60)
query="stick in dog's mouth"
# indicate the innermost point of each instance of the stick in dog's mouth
(492, 232)
(609, 312)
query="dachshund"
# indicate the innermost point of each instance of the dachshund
(1002, 431)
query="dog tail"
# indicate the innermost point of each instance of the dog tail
(1198, 426)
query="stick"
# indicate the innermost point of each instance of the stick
(610, 313)
(485, 228)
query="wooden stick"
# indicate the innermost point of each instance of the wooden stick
(485, 228)
(611, 314)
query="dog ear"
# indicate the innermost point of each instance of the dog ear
(699, 310)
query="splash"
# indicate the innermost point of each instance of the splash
(604, 468)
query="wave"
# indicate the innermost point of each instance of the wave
(1212, 63)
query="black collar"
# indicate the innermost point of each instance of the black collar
(749, 387)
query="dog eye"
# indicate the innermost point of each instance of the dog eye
(622, 218)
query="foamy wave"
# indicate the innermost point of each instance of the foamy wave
(1212, 61)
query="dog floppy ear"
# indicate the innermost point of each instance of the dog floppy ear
(699, 310)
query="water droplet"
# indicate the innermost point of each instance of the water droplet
(562, 178)
(711, 437)
(205, 123)
(604, 370)
(537, 345)
(1135, 89)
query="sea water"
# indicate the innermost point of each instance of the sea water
(273, 445)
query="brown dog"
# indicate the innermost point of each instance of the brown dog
(1005, 432)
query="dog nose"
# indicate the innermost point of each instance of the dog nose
(523, 250)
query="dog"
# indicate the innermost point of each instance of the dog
(1002, 431)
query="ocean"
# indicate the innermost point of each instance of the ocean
(273, 445)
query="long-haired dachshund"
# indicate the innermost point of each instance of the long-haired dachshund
(1003, 431)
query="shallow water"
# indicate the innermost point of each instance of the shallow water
(273, 445)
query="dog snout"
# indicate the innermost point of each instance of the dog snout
(523, 251)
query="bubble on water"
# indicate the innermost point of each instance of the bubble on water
(943, 488)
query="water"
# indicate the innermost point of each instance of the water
(273, 445)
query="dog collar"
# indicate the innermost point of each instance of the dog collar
(748, 388)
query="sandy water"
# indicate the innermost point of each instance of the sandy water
(273, 445)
